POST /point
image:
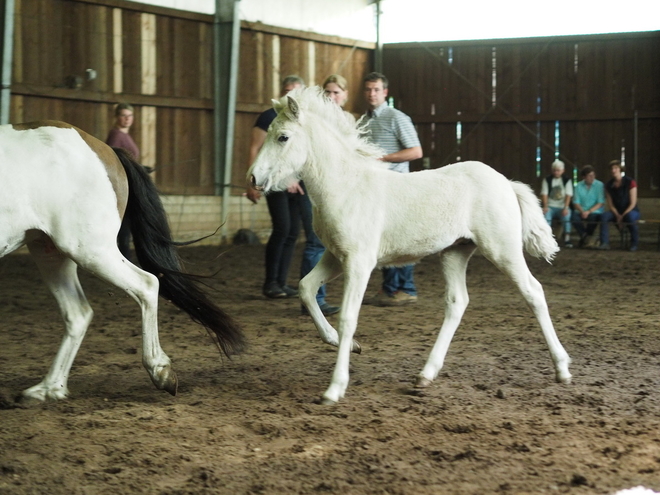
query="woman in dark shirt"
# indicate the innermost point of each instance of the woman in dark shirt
(621, 196)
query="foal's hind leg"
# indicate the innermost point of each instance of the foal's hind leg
(454, 265)
(61, 277)
(512, 263)
(325, 270)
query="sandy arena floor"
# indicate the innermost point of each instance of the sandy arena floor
(493, 422)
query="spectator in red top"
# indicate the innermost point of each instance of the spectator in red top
(119, 137)
(621, 197)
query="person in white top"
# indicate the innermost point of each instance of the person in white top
(556, 195)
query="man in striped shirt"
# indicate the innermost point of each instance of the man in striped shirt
(394, 132)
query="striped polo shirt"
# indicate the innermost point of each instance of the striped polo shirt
(393, 131)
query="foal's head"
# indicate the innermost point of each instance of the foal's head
(309, 129)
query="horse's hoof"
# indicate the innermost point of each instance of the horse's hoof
(421, 382)
(327, 402)
(166, 380)
(357, 348)
(172, 384)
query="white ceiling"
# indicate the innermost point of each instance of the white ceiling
(436, 20)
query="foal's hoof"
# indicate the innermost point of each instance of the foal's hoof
(421, 382)
(327, 402)
(357, 348)
(565, 379)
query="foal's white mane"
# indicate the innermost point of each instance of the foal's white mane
(325, 112)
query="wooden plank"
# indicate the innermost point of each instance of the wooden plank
(165, 56)
(148, 134)
(165, 151)
(117, 51)
(131, 48)
(251, 73)
(148, 53)
(205, 63)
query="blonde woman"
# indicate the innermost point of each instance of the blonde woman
(335, 87)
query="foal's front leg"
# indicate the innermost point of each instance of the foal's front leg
(355, 286)
(325, 270)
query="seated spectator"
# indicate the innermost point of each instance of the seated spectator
(621, 197)
(588, 203)
(556, 194)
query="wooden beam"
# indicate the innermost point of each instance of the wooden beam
(500, 117)
(151, 9)
(306, 35)
(111, 97)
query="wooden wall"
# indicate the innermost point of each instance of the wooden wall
(161, 61)
(268, 54)
(594, 86)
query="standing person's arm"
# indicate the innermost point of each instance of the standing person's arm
(405, 155)
(258, 139)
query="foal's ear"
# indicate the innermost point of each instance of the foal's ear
(277, 105)
(294, 108)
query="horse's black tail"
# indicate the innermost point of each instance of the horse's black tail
(157, 254)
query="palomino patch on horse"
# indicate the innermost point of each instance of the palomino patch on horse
(64, 194)
(367, 216)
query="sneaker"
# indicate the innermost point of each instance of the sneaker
(289, 291)
(604, 247)
(326, 309)
(632, 249)
(568, 245)
(399, 298)
(273, 290)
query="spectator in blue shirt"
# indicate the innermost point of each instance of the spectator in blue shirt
(588, 203)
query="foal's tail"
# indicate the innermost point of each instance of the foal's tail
(537, 234)
(156, 253)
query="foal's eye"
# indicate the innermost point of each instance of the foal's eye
(283, 138)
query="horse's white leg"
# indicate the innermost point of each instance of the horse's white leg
(356, 275)
(454, 265)
(325, 270)
(512, 263)
(107, 263)
(61, 277)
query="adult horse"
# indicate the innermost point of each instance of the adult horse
(367, 216)
(64, 194)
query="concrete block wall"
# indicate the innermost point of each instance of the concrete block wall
(192, 217)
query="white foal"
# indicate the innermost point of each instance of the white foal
(369, 217)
